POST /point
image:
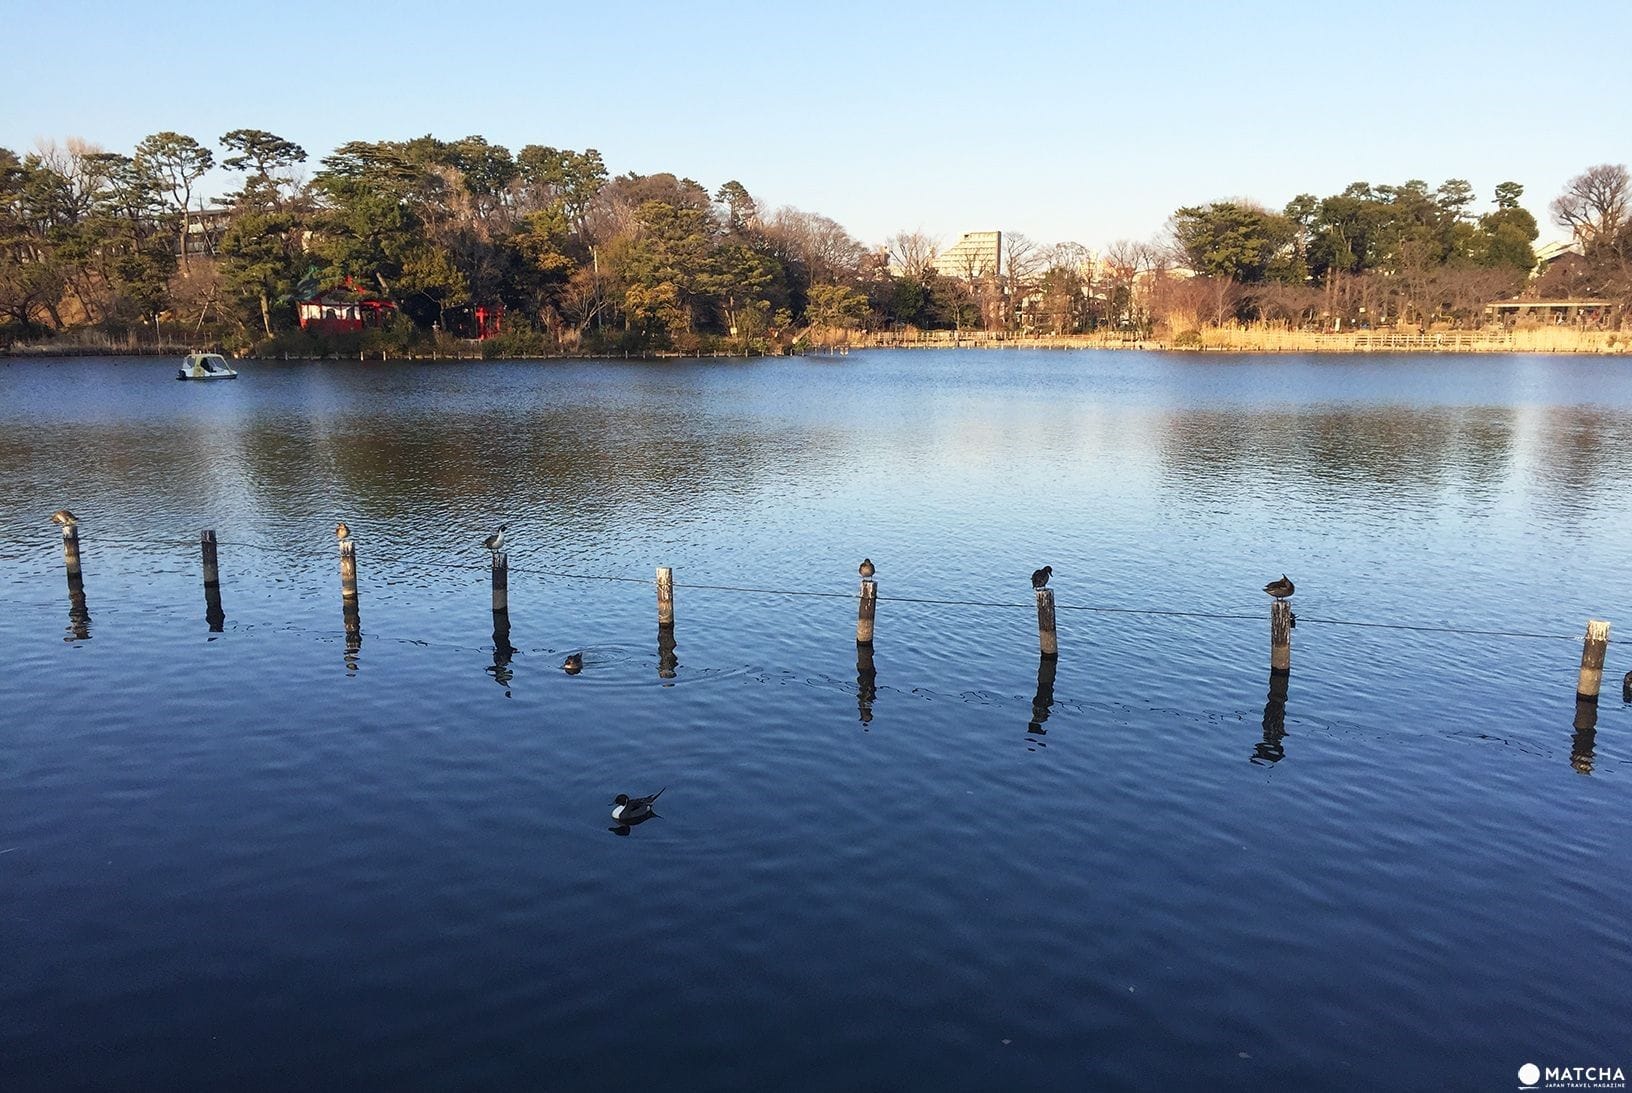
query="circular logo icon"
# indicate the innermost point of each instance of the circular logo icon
(1529, 1073)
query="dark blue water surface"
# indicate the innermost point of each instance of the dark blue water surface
(270, 858)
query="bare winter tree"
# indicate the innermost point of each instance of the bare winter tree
(913, 253)
(1023, 263)
(1595, 204)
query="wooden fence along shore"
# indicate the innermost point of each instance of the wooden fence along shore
(1282, 621)
(1270, 340)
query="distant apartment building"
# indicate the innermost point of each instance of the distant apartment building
(974, 255)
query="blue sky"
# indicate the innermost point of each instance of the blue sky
(1090, 122)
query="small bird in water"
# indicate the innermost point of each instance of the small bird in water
(341, 531)
(1280, 589)
(573, 664)
(495, 542)
(64, 519)
(627, 809)
(1039, 578)
(866, 568)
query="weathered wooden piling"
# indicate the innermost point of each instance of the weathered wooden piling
(348, 570)
(1048, 639)
(70, 550)
(213, 614)
(1592, 660)
(212, 573)
(1280, 637)
(866, 609)
(665, 596)
(501, 581)
(79, 614)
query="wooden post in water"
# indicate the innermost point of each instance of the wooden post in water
(501, 581)
(665, 596)
(1048, 639)
(213, 615)
(348, 571)
(866, 607)
(1280, 638)
(1592, 661)
(70, 551)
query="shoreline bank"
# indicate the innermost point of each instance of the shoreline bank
(833, 343)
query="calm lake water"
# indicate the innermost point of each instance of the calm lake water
(272, 858)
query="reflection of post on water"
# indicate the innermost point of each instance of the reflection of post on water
(1044, 699)
(866, 683)
(502, 651)
(79, 616)
(214, 616)
(1586, 736)
(1269, 751)
(354, 633)
(668, 663)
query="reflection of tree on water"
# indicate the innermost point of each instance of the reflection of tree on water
(866, 683)
(1362, 449)
(1043, 701)
(1269, 751)
(502, 652)
(1585, 738)
(79, 615)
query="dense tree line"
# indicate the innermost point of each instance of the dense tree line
(578, 259)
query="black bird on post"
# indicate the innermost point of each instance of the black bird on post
(1039, 578)
(1280, 589)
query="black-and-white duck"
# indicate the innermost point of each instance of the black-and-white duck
(628, 810)
(495, 542)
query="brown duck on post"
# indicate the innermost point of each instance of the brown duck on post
(866, 568)
(1280, 589)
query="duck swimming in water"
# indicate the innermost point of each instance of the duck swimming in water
(1039, 578)
(573, 664)
(627, 809)
(1280, 589)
